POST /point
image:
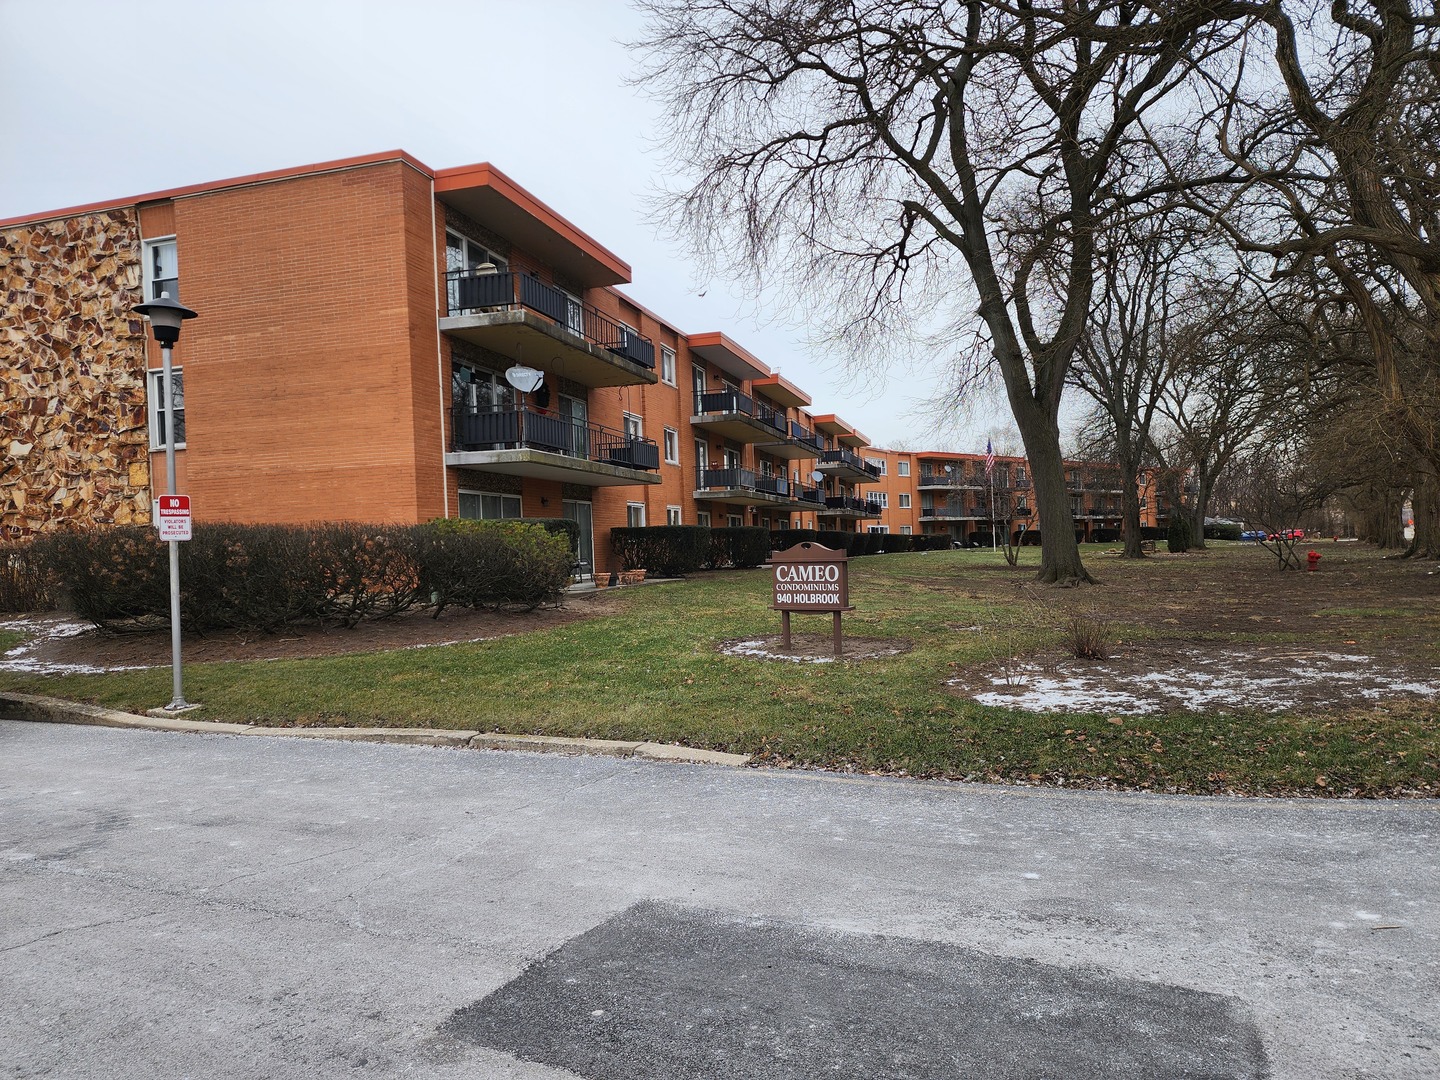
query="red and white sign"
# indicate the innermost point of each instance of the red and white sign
(173, 517)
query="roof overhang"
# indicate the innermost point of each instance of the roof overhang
(486, 194)
(843, 433)
(781, 390)
(715, 348)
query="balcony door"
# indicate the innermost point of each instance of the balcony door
(580, 513)
(574, 411)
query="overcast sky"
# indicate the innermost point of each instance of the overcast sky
(111, 98)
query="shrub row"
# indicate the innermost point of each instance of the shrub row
(23, 585)
(677, 550)
(264, 577)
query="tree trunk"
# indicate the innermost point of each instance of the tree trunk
(1130, 508)
(1425, 503)
(1059, 552)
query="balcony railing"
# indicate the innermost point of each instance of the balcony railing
(849, 502)
(957, 479)
(742, 480)
(484, 427)
(470, 291)
(850, 458)
(805, 437)
(808, 495)
(724, 402)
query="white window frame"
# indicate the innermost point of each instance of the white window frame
(879, 463)
(673, 516)
(672, 446)
(878, 528)
(902, 468)
(501, 495)
(631, 514)
(634, 425)
(702, 517)
(152, 404)
(147, 260)
(735, 521)
(904, 500)
(667, 365)
(882, 497)
(905, 530)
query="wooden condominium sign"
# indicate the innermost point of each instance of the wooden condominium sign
(809, 577)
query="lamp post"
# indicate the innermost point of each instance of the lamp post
(165, 317)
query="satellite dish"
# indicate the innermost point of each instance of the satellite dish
(525, 379)
(817, 476)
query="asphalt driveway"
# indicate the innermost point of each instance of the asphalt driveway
(210, 906)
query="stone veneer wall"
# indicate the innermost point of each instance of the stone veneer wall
(74, 449)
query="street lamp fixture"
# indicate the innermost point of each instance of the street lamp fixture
(165, 317)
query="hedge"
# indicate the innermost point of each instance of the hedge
(1223, 530)
(663, 550)
(24, 585)
(264, 577)
(739, 546)
(784, 539)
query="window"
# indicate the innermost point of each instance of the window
(902, 468)
(162, 269)
(635, 515)
(904, 530)
(904, 500)
(667, 365)
(480, 389)
(160, 413)
(1019, 474)
(485, 506)
(672, 446)
(634, 426)
(879, 463)
(881, 497)
(702, 517)
(878, 529)
(672, 515)
(464, 254)
(735, 521)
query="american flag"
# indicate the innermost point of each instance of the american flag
(989, 458)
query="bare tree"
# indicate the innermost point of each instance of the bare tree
(857, 150)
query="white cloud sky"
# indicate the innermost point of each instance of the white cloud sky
(112, 99)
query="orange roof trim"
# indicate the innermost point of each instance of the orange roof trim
(219, 185)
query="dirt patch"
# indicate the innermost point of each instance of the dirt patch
(61, 645)
(1209, 677)
(814, 648)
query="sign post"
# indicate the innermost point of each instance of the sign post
(809, 577)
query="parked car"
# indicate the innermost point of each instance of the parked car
(1253, 534)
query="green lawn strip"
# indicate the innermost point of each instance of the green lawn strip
(9, 639)
(651, 670)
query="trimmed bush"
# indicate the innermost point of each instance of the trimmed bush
(664, 550)
(571, 529)
(896, 542)
(1177, 536)
(260, 577)
(1222, 530)
(784, 539)
(834, 539)
(24, 585)
(491, 564)
(739, 546)
(110, 576)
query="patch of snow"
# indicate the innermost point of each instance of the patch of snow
(41, 632)
(1200, 680)
(759, 648)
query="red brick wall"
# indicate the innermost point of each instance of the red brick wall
(303, 373)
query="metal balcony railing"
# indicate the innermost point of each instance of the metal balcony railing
(849, 502)
(469, 291)
(805, 437)
(850, 458)
(808, 495)
(724, 401)
(486, 427)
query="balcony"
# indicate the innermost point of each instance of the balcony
(847, 465)
(524, 442)
(847, 506)
(743, 486)
(528, 321)
(738, 417)
(957, 480)
(800, 445)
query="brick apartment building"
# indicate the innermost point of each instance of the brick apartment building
(357, 321)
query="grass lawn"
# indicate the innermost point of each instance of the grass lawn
(650, 669)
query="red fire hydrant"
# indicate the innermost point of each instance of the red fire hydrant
(1312, 560)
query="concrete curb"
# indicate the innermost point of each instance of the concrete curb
(47, 710)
